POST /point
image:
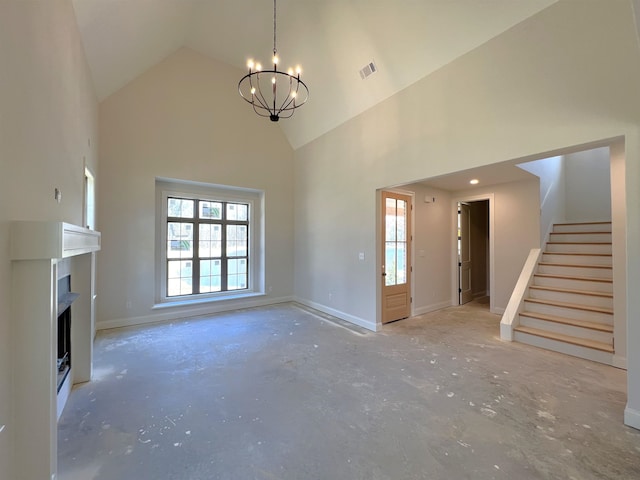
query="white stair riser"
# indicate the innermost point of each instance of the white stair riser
(576, 271)
(573, 284)
(574, 313)
(566, 348)
(577, 259)
(572, 330)
(580, 237)
(575, 298)
(604, 248)
(583, 227)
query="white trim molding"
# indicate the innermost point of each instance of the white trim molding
(632, 417)
(368, 324)
(431, 308)
(181, 312)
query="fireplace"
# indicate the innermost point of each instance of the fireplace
(65, 299)
(52, 351)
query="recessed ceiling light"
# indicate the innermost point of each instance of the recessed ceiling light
(475, 181)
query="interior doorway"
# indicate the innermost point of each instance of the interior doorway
(473, 250)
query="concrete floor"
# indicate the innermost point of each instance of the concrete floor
(284, 393)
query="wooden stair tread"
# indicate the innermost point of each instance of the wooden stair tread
(570, 290)
(581, 342)
(601, 327)
(572, 277)
(584, 254)
(578, 243)
(590, 232)
(574, 306)
(581, 223)
(550, 264)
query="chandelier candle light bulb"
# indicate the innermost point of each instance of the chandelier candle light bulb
(285, 93)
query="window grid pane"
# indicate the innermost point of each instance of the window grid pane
(212, 210)
(237, 240)
(180, 207)
(236, 274)
(210, 276)
(180, 281)
(179, 240)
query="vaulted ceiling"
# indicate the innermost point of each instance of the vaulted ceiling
(331, 39)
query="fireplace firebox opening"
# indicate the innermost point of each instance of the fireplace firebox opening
(65, 299)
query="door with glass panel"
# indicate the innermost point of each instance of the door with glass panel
(396, 257)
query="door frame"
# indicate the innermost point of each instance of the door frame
(379, 249)
(454, 245)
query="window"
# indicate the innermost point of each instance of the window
(207, 242)
(207, 246)
(89, 200)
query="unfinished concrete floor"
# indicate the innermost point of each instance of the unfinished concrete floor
(283, 393)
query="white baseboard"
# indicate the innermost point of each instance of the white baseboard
(498, 310)
(632, 417)
(620, 362)
(180, 312)
(369, 325)
(431, 308)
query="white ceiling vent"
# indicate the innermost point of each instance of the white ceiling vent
(368, 70)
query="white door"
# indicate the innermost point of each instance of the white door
(464, 253)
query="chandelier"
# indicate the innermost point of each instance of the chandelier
(273, 93)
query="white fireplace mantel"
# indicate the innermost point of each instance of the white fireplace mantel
(51, 240)
(38, 250)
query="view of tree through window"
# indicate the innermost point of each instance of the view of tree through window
(207, 246)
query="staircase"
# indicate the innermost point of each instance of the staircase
(569, 305)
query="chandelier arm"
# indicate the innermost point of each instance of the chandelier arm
(293, 99)
(288, 99)
(287, 113)
(264, 104)
(284, 103)
(258, 110)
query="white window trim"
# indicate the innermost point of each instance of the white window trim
(89, 200)
(166, 188)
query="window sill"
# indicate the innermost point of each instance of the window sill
(200, 301)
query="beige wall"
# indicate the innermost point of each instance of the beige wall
(48, 114)
(182, 119)
(587, 186)
(565, 77)
(433, 232)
